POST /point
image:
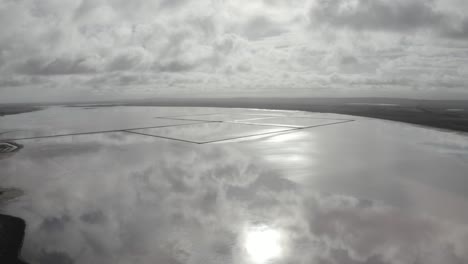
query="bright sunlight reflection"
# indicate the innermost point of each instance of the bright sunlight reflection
(263, 244)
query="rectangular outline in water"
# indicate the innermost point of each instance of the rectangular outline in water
(222, 121)
(130, 130)
(170, 117)
(206, 142)
(291, 130)
(291, 126)
(97, 132)
(257, 116)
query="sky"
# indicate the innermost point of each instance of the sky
(116, 49)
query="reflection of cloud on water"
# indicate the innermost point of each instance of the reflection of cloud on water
(155, 201)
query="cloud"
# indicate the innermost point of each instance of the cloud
(387, 15)
(377, 15)
(227, 48)
(43, 66)
(457, 31)
(130, 59)
(261, 27)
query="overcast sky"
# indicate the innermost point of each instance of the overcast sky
(104, 49)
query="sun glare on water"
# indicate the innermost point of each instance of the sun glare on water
(263, 244)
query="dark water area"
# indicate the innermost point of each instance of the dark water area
(16, 109)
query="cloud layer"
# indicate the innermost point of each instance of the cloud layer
(113, 48)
